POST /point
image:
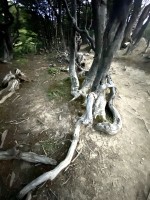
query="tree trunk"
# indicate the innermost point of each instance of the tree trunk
(138, 36)
(60, 29)
(99, 19)
(5, 30)
(112, 37)
(147, 46)
(72, 64)
(133, 18)
(143, 16)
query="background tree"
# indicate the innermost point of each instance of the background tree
(6, 22)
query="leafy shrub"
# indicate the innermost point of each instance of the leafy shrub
(27, 42)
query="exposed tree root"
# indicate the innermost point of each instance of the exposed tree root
(116, 125)
(100, 104)
(88, 117)
(11, 83)
(53, 173)
(26, 156)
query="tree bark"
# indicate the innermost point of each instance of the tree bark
(72, 66)
(5, 31)
(138, 36)
(133, 18)
(143, 16)
(99, 22)
(112, 37)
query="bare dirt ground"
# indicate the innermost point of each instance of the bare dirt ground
(40, 118)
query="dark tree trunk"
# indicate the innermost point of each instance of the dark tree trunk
(147, 46)
(143, 16)
(72, 64)
(112, 38)
(99, 19)
(138, 36)
(60, 29)
(132, 20)
(6, 39)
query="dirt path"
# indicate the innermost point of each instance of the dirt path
(41, 119)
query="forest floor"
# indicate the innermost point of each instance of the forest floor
(40, 118)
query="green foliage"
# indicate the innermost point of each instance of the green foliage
(27, 42)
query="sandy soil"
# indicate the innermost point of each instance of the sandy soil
(116, 168)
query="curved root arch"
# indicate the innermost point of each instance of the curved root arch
(98, 103)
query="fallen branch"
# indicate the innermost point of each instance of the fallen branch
(26, 156)
(4, 134)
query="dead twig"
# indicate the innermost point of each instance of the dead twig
(53, 193)
(4, 134)
(12, 178)
(15, 98)
(78, 154)
(17, 122)
(66, 181)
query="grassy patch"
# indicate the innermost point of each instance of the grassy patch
(22, 60)
(60, 90)
(53, 71)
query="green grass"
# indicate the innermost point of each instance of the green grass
(53, 70)
(22, 60)
(60, 90)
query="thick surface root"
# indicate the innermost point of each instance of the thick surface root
(97, 104)
(107, 127)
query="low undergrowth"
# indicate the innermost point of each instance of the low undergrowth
(53, 70)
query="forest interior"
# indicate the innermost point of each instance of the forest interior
(75, 99)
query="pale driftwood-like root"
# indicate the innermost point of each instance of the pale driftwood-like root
(6, 97)
(21, 76)
(53, 173)
(116, 125)
(100, 104)
(12, 86)
(7, 78)
(88, 117)
(26, 156)
(11, 83)
(111, 128)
